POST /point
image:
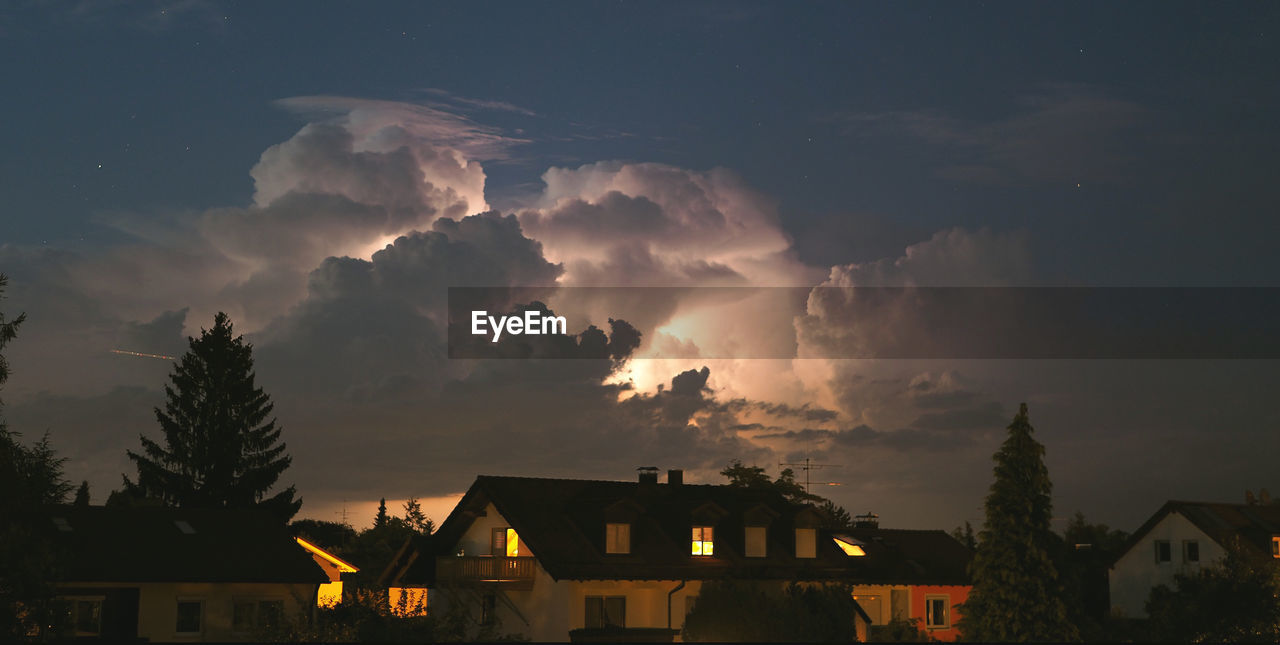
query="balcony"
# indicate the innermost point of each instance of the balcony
(511, 573)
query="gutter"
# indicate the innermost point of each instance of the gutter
(669, 595)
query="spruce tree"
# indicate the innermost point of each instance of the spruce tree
(221, 448)
(1016, 593)
(380, 520)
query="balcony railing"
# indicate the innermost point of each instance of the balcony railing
(512, 573)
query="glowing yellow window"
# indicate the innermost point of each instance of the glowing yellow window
(506, 542)
(1275, 547)
(850, 546)
(703, 541)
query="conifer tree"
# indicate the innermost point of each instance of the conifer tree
(221, 447)
(1016, 593)
(380, 520)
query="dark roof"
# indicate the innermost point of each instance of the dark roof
(108, 544)
(563, 523)
(1252, 524)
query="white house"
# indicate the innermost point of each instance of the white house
(1181, 538)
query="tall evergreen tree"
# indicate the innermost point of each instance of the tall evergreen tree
(380, 520)
(1016, 593)
(221, 446)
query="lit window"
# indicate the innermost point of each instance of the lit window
(936, 613)
(617, 538)
(505, 542)
(513, 544)
(850, 546)
(703, 541)
(190, 616)
(1275, 547)
(755, 541)
(1190, 551)
(605, 611)
(806, 543)
(1164, 552)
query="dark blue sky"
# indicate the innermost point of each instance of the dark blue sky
(817, 105)
(1099, 143)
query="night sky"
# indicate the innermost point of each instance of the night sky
(167, 160)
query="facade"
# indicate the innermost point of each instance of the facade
(560, 559)
(1181, 538)
(173, 575)
(330, 593)
(921, 576)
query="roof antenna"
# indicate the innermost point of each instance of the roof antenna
(808, 466)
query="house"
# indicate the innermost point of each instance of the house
(178, 575)
(566, 559)
(1181, 538)
(330, 593)
(916, 575)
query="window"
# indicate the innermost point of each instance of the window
(1190, 551)
(605, 611)
(505, 542)
(703, 541)
(755, 542)
(1164, 553)
(190, 617)
(1275, 547)
(871, 605)
(850, 546)
(936, 614)
(617, 538)
(86, 615)
(806, 543)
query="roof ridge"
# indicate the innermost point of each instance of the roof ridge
(573, 479)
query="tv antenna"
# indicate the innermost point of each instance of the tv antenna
(808, 466)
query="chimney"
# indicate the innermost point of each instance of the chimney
(866, 521)
(648, 475)
(675, 477)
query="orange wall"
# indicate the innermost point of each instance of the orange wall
(958, 595)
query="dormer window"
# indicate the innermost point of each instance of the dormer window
(703, 541)
(617, 537)
(851, 547)
(806, 543)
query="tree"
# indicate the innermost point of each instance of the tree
(755, 477)
(82, 494)
(221, 448)
(964, 535)
(30, 477)
(415, 518)
(380, 520)
(745, 611)
(1016, 593)
(1237, 600)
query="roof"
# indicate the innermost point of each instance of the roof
(109, 544)
(563, 523)
(1253, 524)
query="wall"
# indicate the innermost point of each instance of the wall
(956, 594)
(158, 605)
(1136, 573)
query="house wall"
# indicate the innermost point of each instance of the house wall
(476, 541)
(1136, 573)
(158, 605)
(882, 612)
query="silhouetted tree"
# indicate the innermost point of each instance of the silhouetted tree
(743, 611)
(82, 494)
(221, 446)
(755, 477)
(964, 535)
(30, 477)
(380, 520)
(414, 517)
(1016, 594)
(1236, 600)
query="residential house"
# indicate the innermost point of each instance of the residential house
(564, 559)
(177, 575)
(1181, 538)
(914, 575)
